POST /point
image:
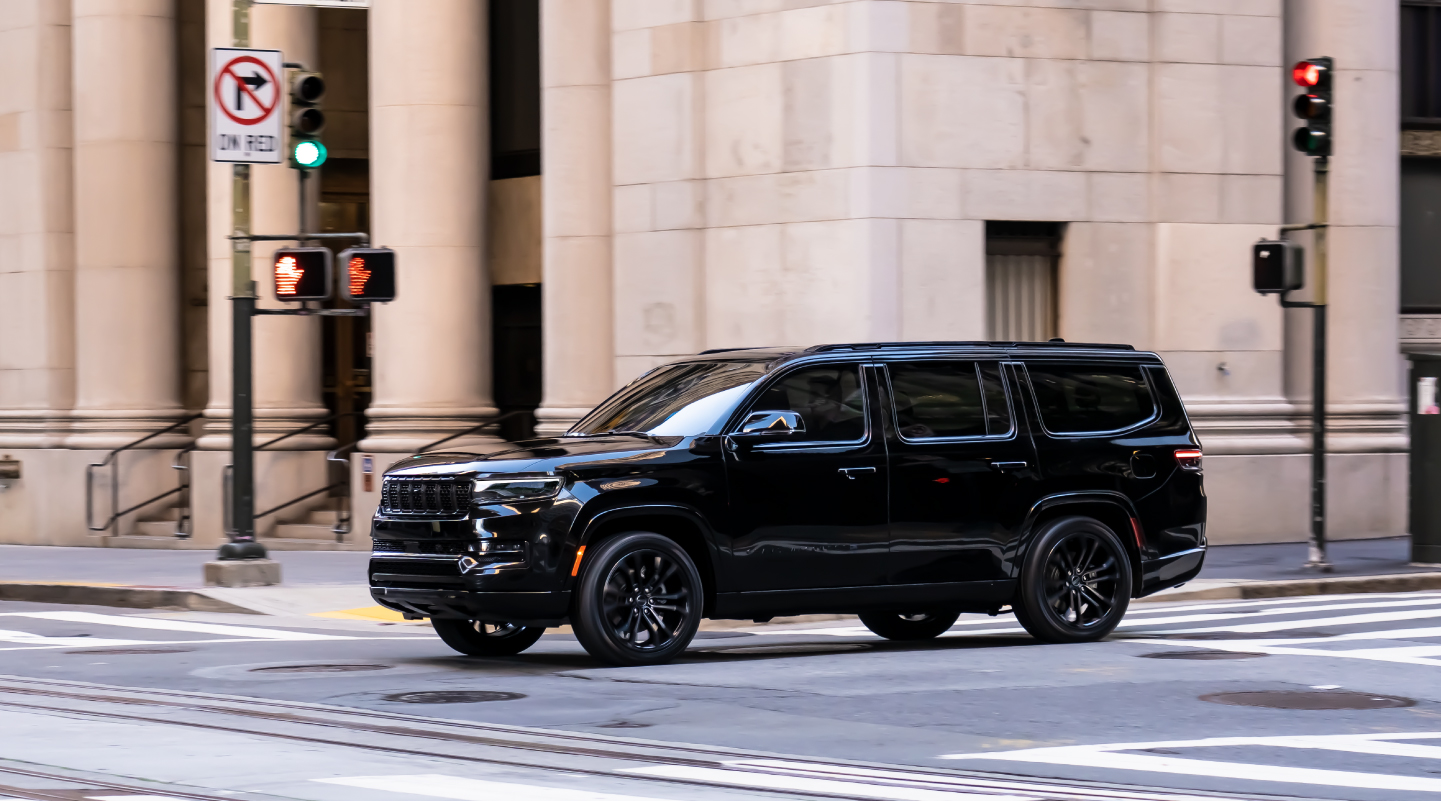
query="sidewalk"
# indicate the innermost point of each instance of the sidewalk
(332, 583)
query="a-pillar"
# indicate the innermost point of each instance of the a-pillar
(1366, 429)
(579, 355)
(127, 365)
(429, 166)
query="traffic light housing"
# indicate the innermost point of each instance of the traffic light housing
(1277, 266)
(368, 275)
(307, 89)
(1313, 105)
(303, 274)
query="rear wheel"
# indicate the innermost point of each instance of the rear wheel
(921, 626)
(486, 638)
(638, 602)
(1075, 583)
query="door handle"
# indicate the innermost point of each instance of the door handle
(852, 472)
(1008, 466)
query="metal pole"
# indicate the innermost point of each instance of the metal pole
(1316, 558)
(242, 543)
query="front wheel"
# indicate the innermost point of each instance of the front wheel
(922, 626)
(486, 638)
(1075, 582)
(639, 600)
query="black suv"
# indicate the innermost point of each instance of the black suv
(906, 483)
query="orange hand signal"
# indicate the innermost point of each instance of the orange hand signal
(287, 275)
(359, 274)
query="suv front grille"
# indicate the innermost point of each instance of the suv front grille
(430, 496)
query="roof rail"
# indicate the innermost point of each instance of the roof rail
(728, 350)
(1055, 343)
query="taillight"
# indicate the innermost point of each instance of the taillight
(1189, 458)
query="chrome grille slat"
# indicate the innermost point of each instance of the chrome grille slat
(425, 496)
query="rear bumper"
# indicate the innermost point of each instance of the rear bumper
(1171, 570)
(530, 608)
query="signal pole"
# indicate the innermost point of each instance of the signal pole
(1316, 557)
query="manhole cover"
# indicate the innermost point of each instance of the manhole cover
(722, 635)
(318, 668)
(120, 651)
(1201, 655)
(452, 697)
(1300, 699)
(1294, 634)
(817, 648)
(624, 724)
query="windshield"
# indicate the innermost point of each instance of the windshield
(680, 400)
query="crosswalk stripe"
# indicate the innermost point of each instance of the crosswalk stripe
(851, 789)
(28, 638)
(1283, 625)
(462, 789)
(135, 798)
(173, 625)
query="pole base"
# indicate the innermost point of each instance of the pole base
(240, 550)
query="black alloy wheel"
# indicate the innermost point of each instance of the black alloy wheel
(486, 637)
(920, 626)
(639, 600)
(1075, 583)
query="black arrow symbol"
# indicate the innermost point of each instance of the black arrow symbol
(254, 82)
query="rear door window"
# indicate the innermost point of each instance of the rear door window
(942, 399)
(1090, 398)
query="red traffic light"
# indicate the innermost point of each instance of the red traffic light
(302, 274)
(369, 275)
(1312, 73)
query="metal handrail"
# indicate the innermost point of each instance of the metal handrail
(181, 462)
(343, 515)
(492, 421)
(304, 429)
(111, 460)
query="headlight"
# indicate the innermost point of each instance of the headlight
(506, 490)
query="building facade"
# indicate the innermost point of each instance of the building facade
(578, 190)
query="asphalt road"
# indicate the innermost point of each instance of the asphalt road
(1183, 698)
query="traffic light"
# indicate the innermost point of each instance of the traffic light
(1277, 266)
(306, 120)
(303, 274)
(369, 275)
(1314, 106)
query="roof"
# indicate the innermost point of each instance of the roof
(778, 355)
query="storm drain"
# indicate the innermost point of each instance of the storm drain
(1300, 699)
(624, 724)
(319, 668)
(121, 651)
(452, 697)
(1201, 656)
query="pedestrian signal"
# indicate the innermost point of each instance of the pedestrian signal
(369, 275)
(1314, 106)
(1276, 266)
(302, 274)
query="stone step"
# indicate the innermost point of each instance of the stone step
(287, 544)
(305, 531)
(167, 542)
(171, 513)
(156, 528)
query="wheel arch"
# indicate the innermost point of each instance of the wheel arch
(1111, 508)
(680, 524)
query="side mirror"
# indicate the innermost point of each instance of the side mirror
(769, 424)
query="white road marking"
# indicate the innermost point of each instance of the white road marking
(28, 638)
(135, 798)
(1111, 756)
(461, 789)
(128, 621)
(782, 783)
(1283, 625)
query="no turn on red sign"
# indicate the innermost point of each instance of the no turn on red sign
(246, 105)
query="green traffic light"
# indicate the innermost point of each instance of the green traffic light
(308, 154)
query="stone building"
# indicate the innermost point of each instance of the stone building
(578, 190)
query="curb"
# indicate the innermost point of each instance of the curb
(1341, 585)
(116, 595)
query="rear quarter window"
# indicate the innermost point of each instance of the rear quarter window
(1091, 398)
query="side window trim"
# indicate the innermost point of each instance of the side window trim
(890, 411)
(815, 444)
(1041, 419)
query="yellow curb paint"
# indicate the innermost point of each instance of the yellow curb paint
(363, 613)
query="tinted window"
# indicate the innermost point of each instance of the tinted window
(676, 400)
(1085, 398)
(829, 399)
(937, 399)
(998, 411)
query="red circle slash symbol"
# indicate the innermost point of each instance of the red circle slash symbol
(246, 87)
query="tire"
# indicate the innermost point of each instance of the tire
(923, 626)
(639, 600)
(486, 638)
(1075, 582)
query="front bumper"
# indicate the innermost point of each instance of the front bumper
(526, 608)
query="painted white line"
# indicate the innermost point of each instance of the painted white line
(1110, 756)
(128, 621)
(782, 783)
(1340, 620)
(461, 789)
(28, 638)
(135, 798)
(53, 643)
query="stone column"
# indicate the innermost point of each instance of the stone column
(1366, 429)
(127, 367)
(579, 353)
(429, 166)
(287, 349)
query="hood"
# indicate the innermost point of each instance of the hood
(534, 456)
